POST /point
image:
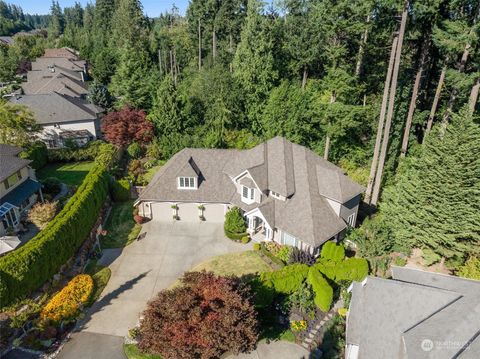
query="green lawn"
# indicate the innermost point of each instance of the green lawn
(71, 173)
(132, 352)
(237, 264)
(121, 228)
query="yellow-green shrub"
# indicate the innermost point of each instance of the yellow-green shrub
(66, 303)
(323, 291)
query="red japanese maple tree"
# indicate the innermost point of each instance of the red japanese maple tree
(126, 126)
(205, 317)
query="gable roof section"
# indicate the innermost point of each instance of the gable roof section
(281, 177)
(57, 108)
(391, 318)
(56, 82)
(190, 169)
(42, 63)
(63, 52)
(9, 160)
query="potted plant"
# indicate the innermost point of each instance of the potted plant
(175, 213)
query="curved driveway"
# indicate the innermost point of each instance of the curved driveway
(139, 271)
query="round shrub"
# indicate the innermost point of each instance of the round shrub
(134, 150)
(333, 251)
(235, 227)
(245, 239)
(121, 190)
(257, 246)
(51, 185)
(67, 303)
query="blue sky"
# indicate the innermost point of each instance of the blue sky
(152, 8)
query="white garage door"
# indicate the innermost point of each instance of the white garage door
(214, 212)
(188, 212)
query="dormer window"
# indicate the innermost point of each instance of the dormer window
(248, 194)
(187, 183)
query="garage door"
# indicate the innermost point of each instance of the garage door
(188, 212)
(214, 212)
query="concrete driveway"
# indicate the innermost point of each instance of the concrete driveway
(139, 271)
(276, 350)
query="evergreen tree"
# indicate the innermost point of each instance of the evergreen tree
(166, 115)
(57, 21)
(435, 201)
(253, 64)
(129, 25)
(134, 80)
(98, 94)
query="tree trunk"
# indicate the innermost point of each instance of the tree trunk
(333, 98)
(361, 50)
(474, 96)
(413, 100)
(436, 99)
(391, 104)
(160, 62)
(199, 46)
(454, 94)
(214, 44)
(304, 78)
(381, 121)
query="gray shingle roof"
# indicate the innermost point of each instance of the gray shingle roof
(7, 40)
(391, 318)
(290, 168)
(42, 63)
(57, 108)
(50, 82)
(9, 160)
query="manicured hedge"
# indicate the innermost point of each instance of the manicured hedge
(121, 190)
(66, 303)
(27, 268)
(333, 251)
(234, 226)
(322, 290)
(352, 269)
(286, 280)
(93, 151)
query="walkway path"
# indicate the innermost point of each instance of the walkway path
(276, 350)
(139, 271)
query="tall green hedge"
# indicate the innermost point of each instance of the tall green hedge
(322, 290)
(37, 153)
(286, 280)
(27, 268)
(121, 190)
(332, 251)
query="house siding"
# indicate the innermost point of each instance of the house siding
(187, 212)
(350, 207)
(25, 174)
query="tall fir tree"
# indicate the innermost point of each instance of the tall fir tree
(435, 202)
(253, 65)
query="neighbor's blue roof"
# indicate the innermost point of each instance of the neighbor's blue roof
(22, 192)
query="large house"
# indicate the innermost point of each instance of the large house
(287, 193)
(56, 79)
(63, 118)
(19, 189)
(415, 315)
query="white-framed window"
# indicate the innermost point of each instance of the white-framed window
(275, 194)
(248, 193)
(187, 183)
(288, 239)
(351, 220)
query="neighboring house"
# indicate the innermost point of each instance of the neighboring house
(415, 315)
(6, 40)
(287, 193)
(45, 73)
(64, 52)
(42, 63)
(54, 81)
(63, 118)
(19, 189)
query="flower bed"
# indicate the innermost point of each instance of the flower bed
(67, 303)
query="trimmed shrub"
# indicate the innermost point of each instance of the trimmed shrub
(234, 226)
(286, 280)
(42, 213)
(134, 150)
(51, 185)
(327, 267)
(257, 246)
(27, 268)
(245, 239)
(333, 251)
(97, 151)
(121, 190)
(37, 153)
(322, 290)
(284, 253)
(67, 303)
(352, 269)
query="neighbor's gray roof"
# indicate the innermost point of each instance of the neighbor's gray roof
(9, 160)
(57, 108)
(64, 52)
(55, 82)
(38, 74)
(42, 63)
(8, 40)
(277, 165)
(391, 318)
